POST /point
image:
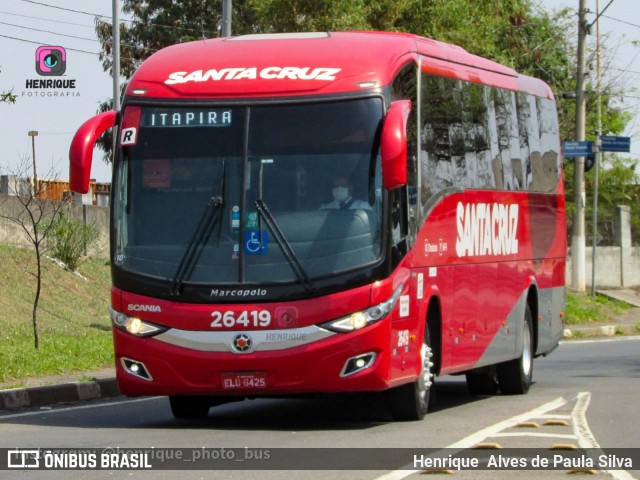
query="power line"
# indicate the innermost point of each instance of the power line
(172, 27)
(48, 20)
(622, 21)
(67, 48)
(48, 31)
(65, 9)
(45, 43)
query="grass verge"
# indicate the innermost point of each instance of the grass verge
(73, 320)
(583, 309)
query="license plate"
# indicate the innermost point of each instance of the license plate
(244, 380)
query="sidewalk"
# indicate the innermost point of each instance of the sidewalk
(50, 390)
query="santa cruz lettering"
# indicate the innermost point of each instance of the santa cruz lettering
(486, 229)
(252, 73)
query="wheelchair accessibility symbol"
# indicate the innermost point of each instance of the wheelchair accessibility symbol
(252, 244)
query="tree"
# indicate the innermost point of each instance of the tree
(71, 238)
(618, 184)
(7, 97)
(34, 217)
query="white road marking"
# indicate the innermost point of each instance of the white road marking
(535, 434)
(599, 340)
(79, 407)
(586, 438)
(480, 435)
(477, 437)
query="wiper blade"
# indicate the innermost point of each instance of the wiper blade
(208, 221)
(211, 217)
(284, 245)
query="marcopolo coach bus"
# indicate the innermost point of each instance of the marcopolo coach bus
(330, 212)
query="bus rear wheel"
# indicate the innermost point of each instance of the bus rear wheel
(411, 401)
(515, 376)
(189, 406)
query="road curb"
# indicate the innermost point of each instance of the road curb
(600, 331)
(16, 398)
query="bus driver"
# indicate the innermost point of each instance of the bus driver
(342, 196)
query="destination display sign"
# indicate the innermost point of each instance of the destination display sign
(186, 117)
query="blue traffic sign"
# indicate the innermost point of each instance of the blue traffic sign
(611, 143)
(577, 149)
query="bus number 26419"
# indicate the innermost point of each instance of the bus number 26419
(246, 319)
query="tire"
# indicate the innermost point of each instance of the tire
(189, 407)
(515, 376)
(482, 383)
(411, 401)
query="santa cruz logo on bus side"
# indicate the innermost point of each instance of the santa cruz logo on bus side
(486, 229)
(253, 73)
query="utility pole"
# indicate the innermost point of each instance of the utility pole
(115, 30)
(226, 18)
(33, 134)
(598, 156)
(578, 243)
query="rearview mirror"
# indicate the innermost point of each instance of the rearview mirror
(81, 150)
(393, 145)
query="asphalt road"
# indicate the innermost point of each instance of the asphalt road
(585, 394)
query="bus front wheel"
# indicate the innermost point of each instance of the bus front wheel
(411, 401)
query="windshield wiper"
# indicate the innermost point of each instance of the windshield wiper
(284, 245)
(209, 219)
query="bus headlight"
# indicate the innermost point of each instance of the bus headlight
(361, 319)
(134, 325)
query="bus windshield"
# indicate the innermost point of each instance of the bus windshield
(261, 194)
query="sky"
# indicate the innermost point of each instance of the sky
(26, 25)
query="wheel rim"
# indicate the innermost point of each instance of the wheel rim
(527, 354)
(424, 381)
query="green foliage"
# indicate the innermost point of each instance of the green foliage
(583, 309)
(7, 97)
(71, 237)
(618, 184)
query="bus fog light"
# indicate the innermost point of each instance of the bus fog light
(357, 364)
(136, 368)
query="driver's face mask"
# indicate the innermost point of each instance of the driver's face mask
(340, 194)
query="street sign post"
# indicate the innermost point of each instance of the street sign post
(611, 143)
(577, 149)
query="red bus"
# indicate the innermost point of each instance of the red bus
(330, 212)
